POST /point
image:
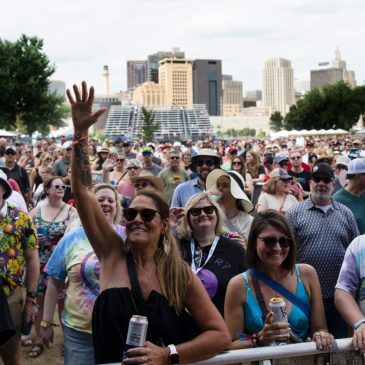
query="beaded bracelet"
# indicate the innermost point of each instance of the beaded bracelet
(359, 323)
(77, 139)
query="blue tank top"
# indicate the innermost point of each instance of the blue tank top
(298, 321)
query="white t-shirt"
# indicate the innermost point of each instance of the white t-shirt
(241, 224)
(269, 201)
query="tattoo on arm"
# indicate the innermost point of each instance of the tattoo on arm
(82, 157)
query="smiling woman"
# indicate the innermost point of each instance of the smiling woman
(143, 276)
(271, 258)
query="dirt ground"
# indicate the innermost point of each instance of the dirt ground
(51, 356)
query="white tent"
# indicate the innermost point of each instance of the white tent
(4, 133)
(305, 132)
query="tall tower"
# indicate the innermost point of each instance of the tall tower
(136, 73)
(278, 85)
(175, 76)
(106, 79)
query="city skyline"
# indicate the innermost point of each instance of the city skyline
(80, 37)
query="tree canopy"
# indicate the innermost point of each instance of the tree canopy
(25, 101)
(335, 106)
(149, 126)
(276, 121)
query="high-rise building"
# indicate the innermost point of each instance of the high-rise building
(154, 59)
(232, 97)
(136, 73)
(301, 86)
(336, 72)
(278, 85)
(254, 94)
(175, 76)
(149, 94)
(106, 79)
(207, 85)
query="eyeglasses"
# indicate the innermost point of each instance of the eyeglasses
(237, 163)
(318, 179)
(146, 214)
(295, 158)
(208, 210)
(174, 158)
(60, 187)
(143, 185)
(132, 168)
(271, 241)
(209, 163)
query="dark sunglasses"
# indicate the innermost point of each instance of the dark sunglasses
(174, 158)
(318, 179)
(120, 160)
(296, 158)
(49, 159)
(209, 163)
(132, 168)
(70, 149)
(60, 187)
(146, 214)
(196, 212)
(236, 163)
(142, 185)
(286, 180)
(271, 241)
(286, 163)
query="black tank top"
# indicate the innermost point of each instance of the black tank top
(115, 306)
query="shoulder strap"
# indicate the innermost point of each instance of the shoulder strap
(245, 278)
(280, 289)
(260, 298)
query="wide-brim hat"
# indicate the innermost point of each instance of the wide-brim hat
(205, 152)
(237, 186)
(152, 179)
(5, 184)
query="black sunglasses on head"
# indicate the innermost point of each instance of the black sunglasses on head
(271, 241)
(146, 214)
(195, 212)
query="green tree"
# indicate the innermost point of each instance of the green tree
(335, 106)
(276, 121)
(149, 126)
(24, 78)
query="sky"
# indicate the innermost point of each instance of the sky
(80, 36)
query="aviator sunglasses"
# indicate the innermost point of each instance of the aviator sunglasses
(146, 214)
(195, 212)
(270, 241)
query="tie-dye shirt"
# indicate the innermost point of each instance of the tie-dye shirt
(75, 259)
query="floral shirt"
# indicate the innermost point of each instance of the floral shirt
(17, 234)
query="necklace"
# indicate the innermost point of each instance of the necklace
(148, 274)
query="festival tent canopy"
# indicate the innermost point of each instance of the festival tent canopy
(4, 133)
(305, 132)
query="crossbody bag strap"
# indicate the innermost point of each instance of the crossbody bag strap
(259, 297)
(281, 290)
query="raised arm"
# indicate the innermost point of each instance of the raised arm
(101, 235)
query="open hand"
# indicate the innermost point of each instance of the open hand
(81, 107)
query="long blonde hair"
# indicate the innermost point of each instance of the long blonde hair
(173, 273)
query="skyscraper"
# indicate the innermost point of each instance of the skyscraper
(207, 84)
(175, 76)
(136, 73)
(154, 59)
(232, 97)
(278, 85)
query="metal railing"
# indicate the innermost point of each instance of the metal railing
(299, 354)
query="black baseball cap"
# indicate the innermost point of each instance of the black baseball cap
(323, 168)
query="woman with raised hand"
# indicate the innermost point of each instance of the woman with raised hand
(270, 257)
(149, 261)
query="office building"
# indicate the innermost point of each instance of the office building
(175, 76)
(301, 86)
(149, 94)
(207, 85)
(136, 73)
(176, 123)
(254, 94)
(336, 72)
(232, 97)
(154, 59)
(278, 85)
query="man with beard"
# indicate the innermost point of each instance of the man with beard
(202, 164)
(323, 229)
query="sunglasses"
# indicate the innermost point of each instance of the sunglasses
(174, 158)
(146, 214)
(120, 160)
(284, 163)
(286, 180)
(60, 187)
(236, 163)
(141, 185)
(69, 149)
(49, 159)
(209, 163)
(132, 168)
(196, 212)
(318, 179)
(271, 241)
(296, 158)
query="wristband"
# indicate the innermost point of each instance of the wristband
(359, 323)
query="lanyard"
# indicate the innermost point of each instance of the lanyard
(210, 254)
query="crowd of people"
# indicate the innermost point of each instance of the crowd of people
(197, 236)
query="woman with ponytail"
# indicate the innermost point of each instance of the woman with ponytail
(143, 275)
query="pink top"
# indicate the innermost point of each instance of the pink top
(126, 188)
